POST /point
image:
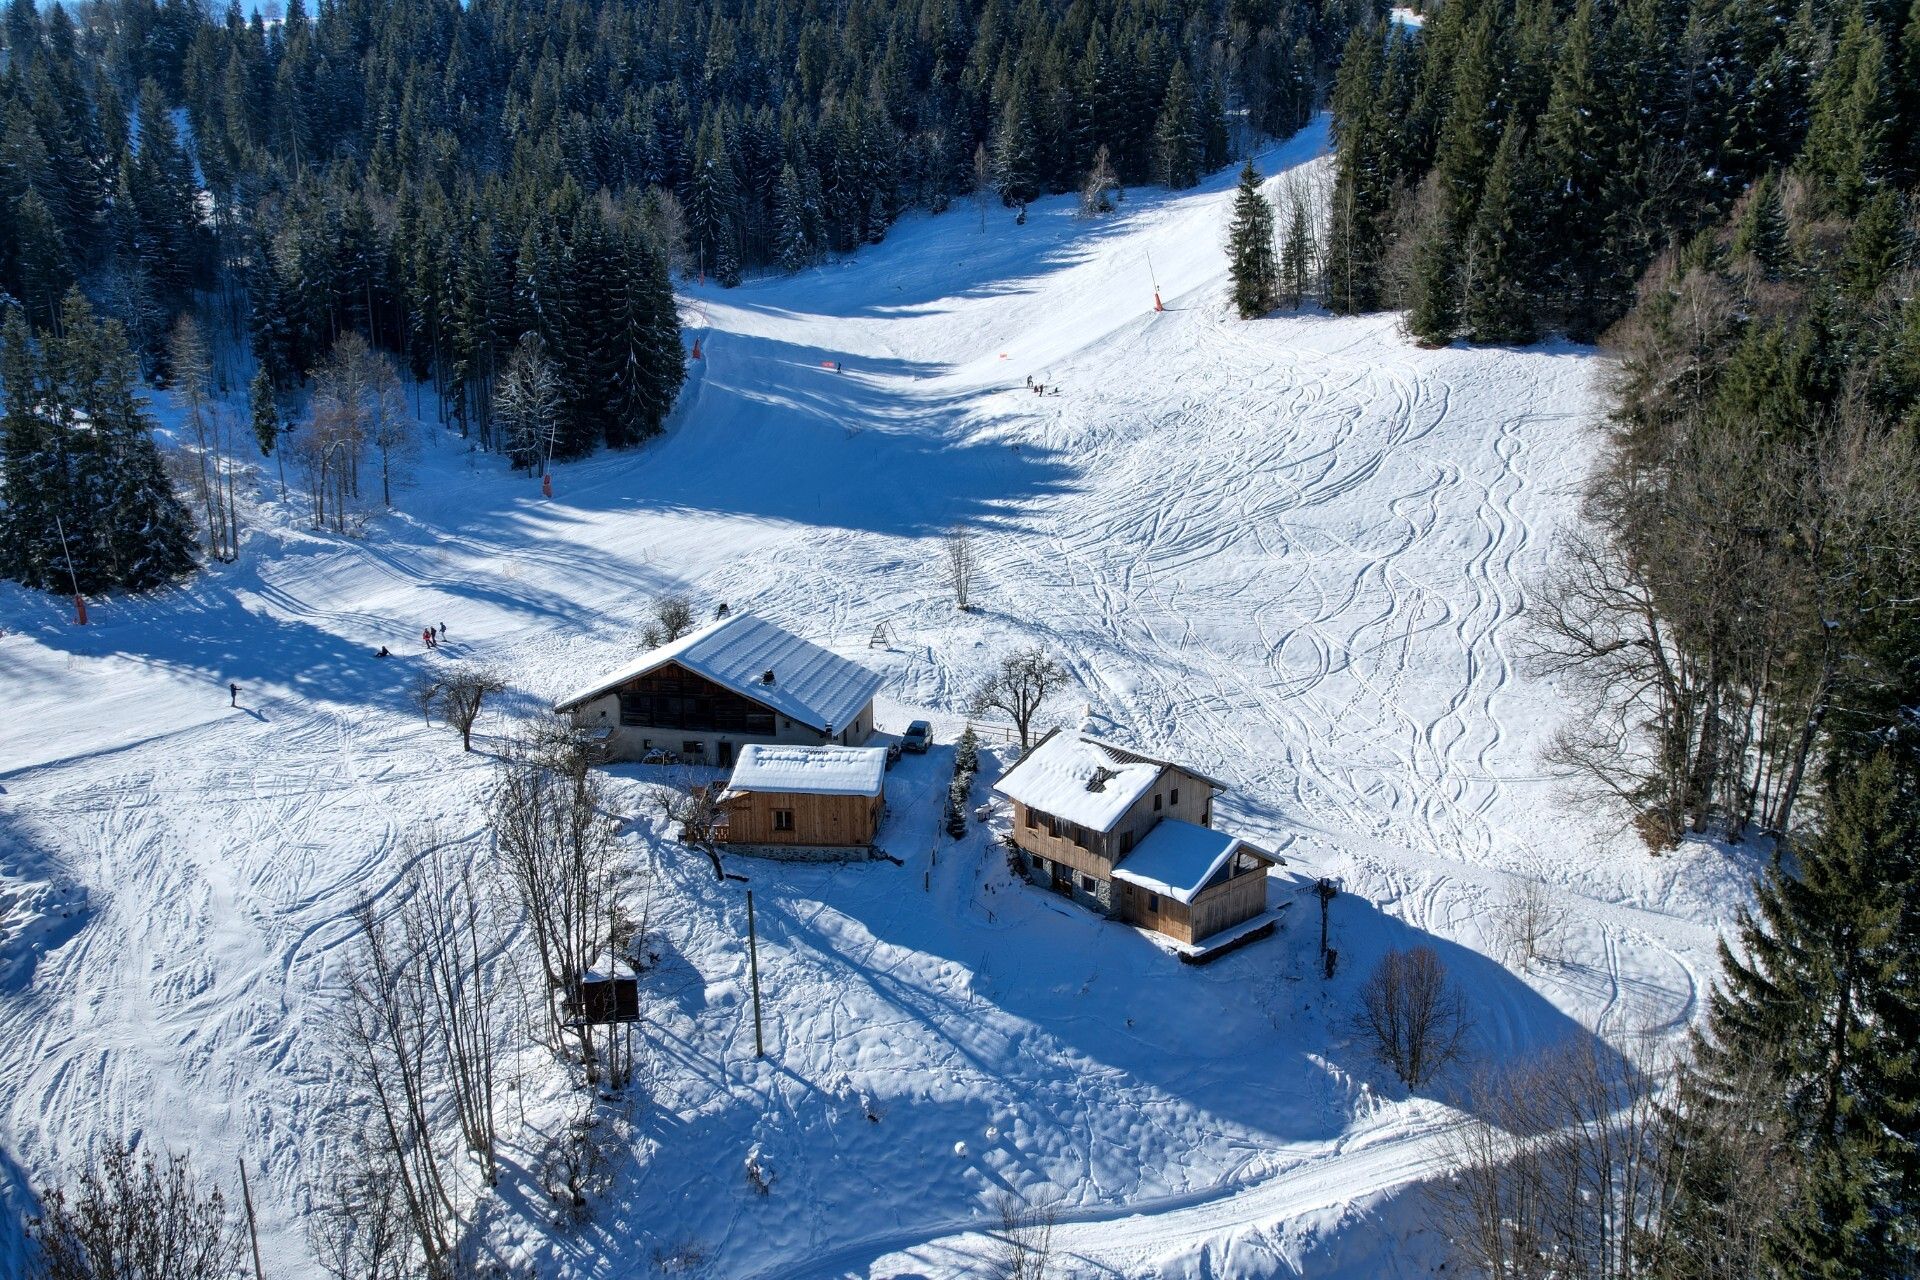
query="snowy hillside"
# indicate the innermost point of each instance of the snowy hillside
(1293, 554)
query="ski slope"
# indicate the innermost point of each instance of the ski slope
(1293, 553)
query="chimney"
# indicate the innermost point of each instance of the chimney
(766, 677)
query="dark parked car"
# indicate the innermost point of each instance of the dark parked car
(917, 736)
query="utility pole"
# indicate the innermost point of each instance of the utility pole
(1326, 891)
(753, 968)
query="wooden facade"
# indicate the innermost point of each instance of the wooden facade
(1076, 861)
(802, 818)
(1239, 893)
(676, 710)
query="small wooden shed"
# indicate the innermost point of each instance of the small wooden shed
(803, 797)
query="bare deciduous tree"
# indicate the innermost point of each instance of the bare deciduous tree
(384, 1023)
(1024, 1248)
(1563, 1167)
(418, 1022)
(692, 808)
(458, 694)
(672, 618)
(958, 559)
(1411, 1016)
(134, 1216)
(1528, 921)
(1102, 190)
(1020, 687)
(559, 859)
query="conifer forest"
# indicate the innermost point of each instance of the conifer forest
(1642, 276)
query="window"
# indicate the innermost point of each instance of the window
(783, 819)
(693, 748)
(1126, 843)
(1156, 802)
(1039, 864)
(1033, 819)
(1153, 902)
(1175, 797)
(1086, 882)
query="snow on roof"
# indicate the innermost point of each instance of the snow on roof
(1080, 779)
(1177, 858)
(821, 771)
(821, 690)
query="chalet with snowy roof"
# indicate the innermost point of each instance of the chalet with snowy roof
(805, 802)
(1131, 837)
(735, 681)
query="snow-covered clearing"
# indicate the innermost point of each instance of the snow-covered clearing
(1292, 553)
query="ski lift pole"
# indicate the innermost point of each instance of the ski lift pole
(73, 579)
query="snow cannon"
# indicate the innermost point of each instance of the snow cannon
(79, 611)
(546, 485)
(1157, 304)
(696, 349)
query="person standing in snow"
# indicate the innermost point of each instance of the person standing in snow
(233, 695)
(443, 633)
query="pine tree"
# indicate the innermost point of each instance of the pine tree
(1363, 182)
(1179, 142)
(1015, 162)
(1847, 153)
(1499, 306)
(1297, 253)
(1433, 301)
(1250, 261)
(792, 247)
(265, 413)
(1877, 245)
(1818, 1011)
(42, 269)
(1760, 229)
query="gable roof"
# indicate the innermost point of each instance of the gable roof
(821, 690)
(820, 771)
(1080, 779)
(1178, 858)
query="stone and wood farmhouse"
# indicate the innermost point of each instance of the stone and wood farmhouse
(1131, 837)
(737, 680)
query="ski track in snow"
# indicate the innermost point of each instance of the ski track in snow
(1293, 553)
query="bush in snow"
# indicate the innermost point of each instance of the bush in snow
(135, 1216)
(1412, 1016)
(759, 1169)
(966, 760)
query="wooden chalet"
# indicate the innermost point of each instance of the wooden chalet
(738, 680)
(1131, 837)
(805, 801)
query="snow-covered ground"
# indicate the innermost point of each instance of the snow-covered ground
(1293, 553)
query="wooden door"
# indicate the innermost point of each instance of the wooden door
(1063, 879)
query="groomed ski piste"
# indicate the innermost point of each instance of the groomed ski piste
(1294, 554)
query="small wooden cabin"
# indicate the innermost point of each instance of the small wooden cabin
(822, 798)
